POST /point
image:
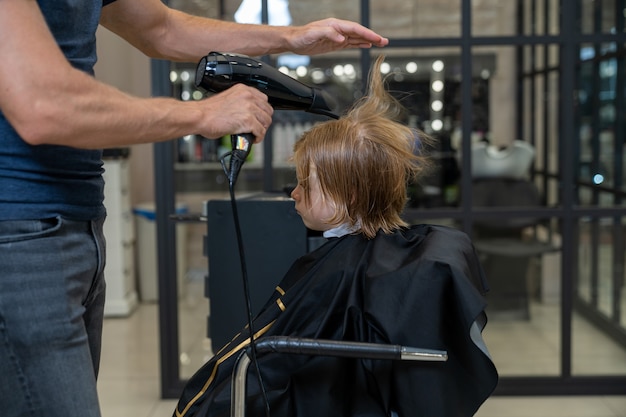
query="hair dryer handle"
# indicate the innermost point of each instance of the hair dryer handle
(241, 147)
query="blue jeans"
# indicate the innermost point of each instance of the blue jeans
(51, 312)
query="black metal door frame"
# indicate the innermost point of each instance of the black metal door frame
(568, 40)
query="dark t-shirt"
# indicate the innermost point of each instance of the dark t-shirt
(46, 181)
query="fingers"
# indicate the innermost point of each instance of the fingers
(254, 110)
(333, 34)
(357, 35)
(240, 109)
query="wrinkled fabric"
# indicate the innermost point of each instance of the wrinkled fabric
(47, 181)
(420, 287)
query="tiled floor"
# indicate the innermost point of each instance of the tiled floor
(129, 376)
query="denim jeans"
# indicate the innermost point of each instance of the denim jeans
(51, 312)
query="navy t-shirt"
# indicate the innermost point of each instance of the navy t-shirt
(38, 182)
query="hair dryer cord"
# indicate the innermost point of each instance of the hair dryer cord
(242, 145)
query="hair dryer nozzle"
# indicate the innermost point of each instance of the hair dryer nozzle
(323, 103)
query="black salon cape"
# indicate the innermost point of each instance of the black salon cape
(420, 287)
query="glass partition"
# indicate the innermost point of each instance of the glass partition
(601, 124)
(417, 18)
(537, 17)
(538, 115)
(494, 18)
(531, 75)
(526, 340)
(605, 16)
(600, 298)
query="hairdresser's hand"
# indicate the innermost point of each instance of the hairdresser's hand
(331, 35)
(240, 109)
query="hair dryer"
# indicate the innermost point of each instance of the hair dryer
(218, 71)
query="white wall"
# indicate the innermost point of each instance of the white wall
(122, 66)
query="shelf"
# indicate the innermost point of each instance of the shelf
(216, 166)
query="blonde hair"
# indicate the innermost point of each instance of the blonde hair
(364, 161)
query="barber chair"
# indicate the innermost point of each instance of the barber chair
(500, 179)
(505, 252)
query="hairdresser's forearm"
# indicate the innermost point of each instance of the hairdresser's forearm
(82, 112)
(162, 32)
(87, 114)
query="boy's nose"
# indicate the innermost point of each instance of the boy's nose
(294, 193)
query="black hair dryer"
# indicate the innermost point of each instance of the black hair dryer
(218, 71)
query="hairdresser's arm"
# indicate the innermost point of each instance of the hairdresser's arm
(162, 32)
(47, 101)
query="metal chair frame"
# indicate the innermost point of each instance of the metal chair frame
(320, 347)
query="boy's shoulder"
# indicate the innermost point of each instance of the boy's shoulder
(437, 234)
